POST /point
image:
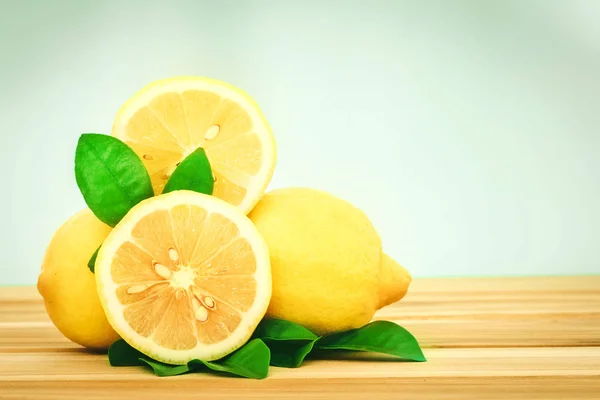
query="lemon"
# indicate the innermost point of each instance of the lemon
(68, 286)
(394, 281)
(329, 272)
(169, 119)
(184, 276)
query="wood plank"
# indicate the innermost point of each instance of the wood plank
(467, 312)
(465, 332)
(518, 338)
(501, 312)
(495, 388)
(523, 373)
(462, 285)
(69, 364)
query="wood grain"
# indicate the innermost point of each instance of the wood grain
(494, 338)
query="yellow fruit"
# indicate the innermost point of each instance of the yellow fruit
(169, 119)
(394, 280)
(184, 276)
(329, 272)
(68, 286)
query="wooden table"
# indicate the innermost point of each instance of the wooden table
(493, 338)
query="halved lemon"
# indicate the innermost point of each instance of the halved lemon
(184, 276)
(169, 119)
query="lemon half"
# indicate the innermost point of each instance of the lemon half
(169, 119)
(184, 276)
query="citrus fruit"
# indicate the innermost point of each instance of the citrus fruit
(184, 276)
(394, 281)
(169, 119)
(68, 286)
(329, 272)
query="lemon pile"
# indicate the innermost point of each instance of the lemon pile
(186, 275)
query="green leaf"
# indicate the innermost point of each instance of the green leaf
(92, 262)
(279, 329)
(285, 344)
(193, 173)
(249, 361)
(289, 353)
(162, 369)
(379, 336)
(121, 354)
(111, 177)
(288, 342)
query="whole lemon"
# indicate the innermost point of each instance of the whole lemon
(69, 287)
(329, 271)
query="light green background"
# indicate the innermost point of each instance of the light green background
(469, 131)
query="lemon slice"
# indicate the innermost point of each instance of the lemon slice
(169, 119)
(184, 276)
